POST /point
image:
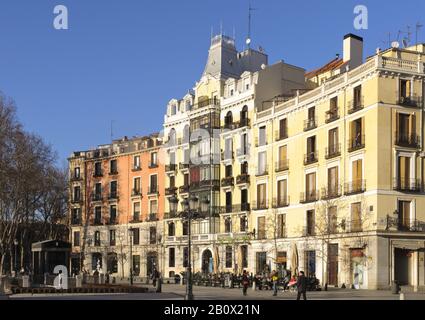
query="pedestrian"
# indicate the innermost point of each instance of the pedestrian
(245, 282)
(274, 279)
(302, 286)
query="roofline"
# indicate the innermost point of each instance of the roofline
(351, 35)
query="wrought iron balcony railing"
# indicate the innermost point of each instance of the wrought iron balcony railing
(281, 135)
(170, 191)
(310, 158)
(331, 192)
(228, 182)
(410, 101)
(184, 189)
(355, 105)
(243, 178)
(356, 143)
(407, 140)
(170, 168)
(333, 151)
(407, 185)
(310, 196)
(405, 225)
(354, 187)
(310, 124)
(260, 205)
(281, 202)
(332, 115)
(236, 208)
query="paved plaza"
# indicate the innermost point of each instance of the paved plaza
(176, 292)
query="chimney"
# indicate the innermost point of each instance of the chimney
(353, 50)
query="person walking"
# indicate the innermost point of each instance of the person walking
(274, 279)
(302, 286)
(245, 282)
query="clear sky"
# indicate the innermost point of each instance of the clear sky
(123, 60)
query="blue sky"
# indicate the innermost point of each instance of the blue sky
(124, 60)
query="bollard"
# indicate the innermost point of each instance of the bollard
(402, 296)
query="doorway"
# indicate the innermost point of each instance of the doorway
(207, 262)
(151, 263)
(403, 263)
(333, 264)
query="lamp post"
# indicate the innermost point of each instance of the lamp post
(131, 230)
(15, 242)
(190, 212)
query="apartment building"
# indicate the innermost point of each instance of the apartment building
(342, 194)
(117, 207)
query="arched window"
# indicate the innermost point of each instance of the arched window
(185, 228)
(228, 225)
(228, 120)
(186, 134)
(171, 229)
(172, 137)
(97, 238)
(244, 116)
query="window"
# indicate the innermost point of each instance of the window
(261, 196)
(77, 194)
(98, 215)
(262, 163)
(404, 215)
(333, 182)
(333, 143)
(406, 131)
(228, 201)
(283, 158)
(153, 183)
(171, 229)
(76, 238)
(186, 179)
(262, 136)
(281, 225)
(98, 169)
(113, 167)
(332, 219)
(154, 159)
(334, 106)
(153, 207)
(136, 162)
(136, 265)
(282, 193)
(136, 211)
(229, 251)
(185, 257)
(152, 235)
(228, 120)
(310, 223)
(228, 171)
(261, 225)
(310, 263)
(112, 237)
(98, 191)
(357, 176)
(244, 254)
(186, 156)
(405, 89)
(76, 216)
(243, 224)
(356, 217)
(136, 236)
(96, 260)
(403, 180)
(358, 103)
(244, 199)
(97, 239)
(136, 186)
(228, 151)
(310, 187)
(228, 225)
(172, 182)
(244, 168)
(185, 228)
(112, 214)
(311, 150)
(356, 134)
(171, 257)
(77, 172)
(114, 190)
(283, 129)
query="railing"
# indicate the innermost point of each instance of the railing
(136, 218)
(170, 191)
(228, 182)
(309, 231)
(98, 174)
(282, 165)
(356, 143)
(332, 115)
(208, 183)
(227, 155)
(355, 105)
(411, 101)
(236, 208)
(74, 178)
(113, 172)
(261, 205)
(331, 192)
(112, 221)
(354, 225)
(357, 186)
(311, 196)
(241, 152)
(243, 178)
(76, 200)
(97, 222)
(405, 225)
(113, 196)
(183, 166)
(310, 158)
(153, 165)
(246, 122)
(76, 221)
(281, 135)
(96, 197)
(170, 168)
(136, 168)
(152, 217)
(262, 172)
(407, 185)
(153, 190)
(136, 192)
(281, 202)
(310, 124)
(206, 103)
(407, 140)
(333, 151)
(184, 189)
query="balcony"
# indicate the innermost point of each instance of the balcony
(282, 165)
(97, 222)
(356, 143)
(412, 101)
(310, 124)
(281, 202)
(170, 168)
(244, 123)
(153, 165)
(407, 185)
(243, 178)
(331, 192)
(113, 172)
(405, 225)
(281, 135)
(96, 197)
(136, 193)
(355, 105)
(242, 152)
(76, 200)
(136, 218)
(228, 182)
(407, 140)
(308, 197)
(260, 205)
(311, 158)
(76, 221)
(333, 151)
(309, 231)
(184, 189)
(98, 174)
(170, 191)
(184, 166)
(354, 226)
(209, 183)
(152, 217)
(230, 126)
(332, 115)
(227, 156)
(136, 168)
(153, 190)
(355, 187)
(236, 208)
(113, 196)
(206, 103)
(263, 172)
(112, 221)
(76, 178)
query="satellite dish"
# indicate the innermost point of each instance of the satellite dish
(263, 66)
(395, 44)
(248, 41)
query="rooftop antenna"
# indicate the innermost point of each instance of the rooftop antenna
(112, 130)
(221, 28)
(248, 39)
(418, 27)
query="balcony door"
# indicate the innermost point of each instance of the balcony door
(357, 175)
(282, 186)
(333, 181)
(310, 186)
(261, 195)
(404, 214)
(403, 180)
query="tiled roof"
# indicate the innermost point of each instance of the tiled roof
(332, 65)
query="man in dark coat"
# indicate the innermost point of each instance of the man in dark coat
(301, 286)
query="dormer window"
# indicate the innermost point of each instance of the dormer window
(188, 105)
(173, 109)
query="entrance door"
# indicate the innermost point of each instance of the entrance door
(403, 266)
(261, 262)
(357, 268)
(333, 264)
(152, 263)
(207, 262)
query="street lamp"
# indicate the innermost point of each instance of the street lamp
(190, 212)
(15, 242)
(131, 230)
